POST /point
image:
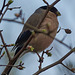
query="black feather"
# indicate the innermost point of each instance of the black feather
(22, 39)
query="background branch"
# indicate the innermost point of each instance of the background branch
(5, 46)
(55, 63)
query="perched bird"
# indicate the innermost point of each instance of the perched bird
(40, 41)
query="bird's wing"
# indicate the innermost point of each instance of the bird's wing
(23, 38)
(33, 20)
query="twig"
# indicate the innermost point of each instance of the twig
(55, 63)
(46, 2)
(20, 66)
(48, 8)
(2, 7)
(12, 20)
(54, 3)
(5, 46)
(3, 13)
(41, 60)
(7, 5)
(9, 65)
(14, 8)
(67, 68)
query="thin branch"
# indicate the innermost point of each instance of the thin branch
(2, 7)
(55, 63)
(20, 66)
(9, 65)
(46, 2)
(48, 8)
(67, 68)
(54, 3)
(4, 13)
(12, 20)
(41, 60)
(14, 8)
(5, 46)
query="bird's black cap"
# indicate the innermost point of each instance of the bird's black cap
(53, 9)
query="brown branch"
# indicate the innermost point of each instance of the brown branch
(12, 20)
(14, 8)
(67, 68)
(2, 7)
(55, 63)
(2, 55)
(48, 8)
(54, 3)
(7, 5)
(5, 46)
(41, 60)
(9, 65)
(46, 2)
(4, 13)
(20, 66)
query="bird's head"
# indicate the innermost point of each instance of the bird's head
(53, 9)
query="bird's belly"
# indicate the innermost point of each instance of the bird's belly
(40, 42)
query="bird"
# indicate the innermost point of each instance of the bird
(41, 41)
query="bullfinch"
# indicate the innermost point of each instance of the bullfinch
(41, 41)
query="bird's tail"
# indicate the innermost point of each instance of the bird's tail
(14, 47)
(17, 50)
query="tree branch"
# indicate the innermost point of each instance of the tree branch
(67, 68)
(55, 63)
(5, 46)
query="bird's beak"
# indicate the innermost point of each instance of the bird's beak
(58, 13)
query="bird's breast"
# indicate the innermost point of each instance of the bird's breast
(42, 41)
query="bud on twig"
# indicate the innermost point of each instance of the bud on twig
(68, 31)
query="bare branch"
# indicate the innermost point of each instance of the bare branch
(5, 46)
(14, 8)
(55, 63)
(12, 20)
(9, 65)
(67, 68)
(4, 13)
(46, 2)
(2, 7)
